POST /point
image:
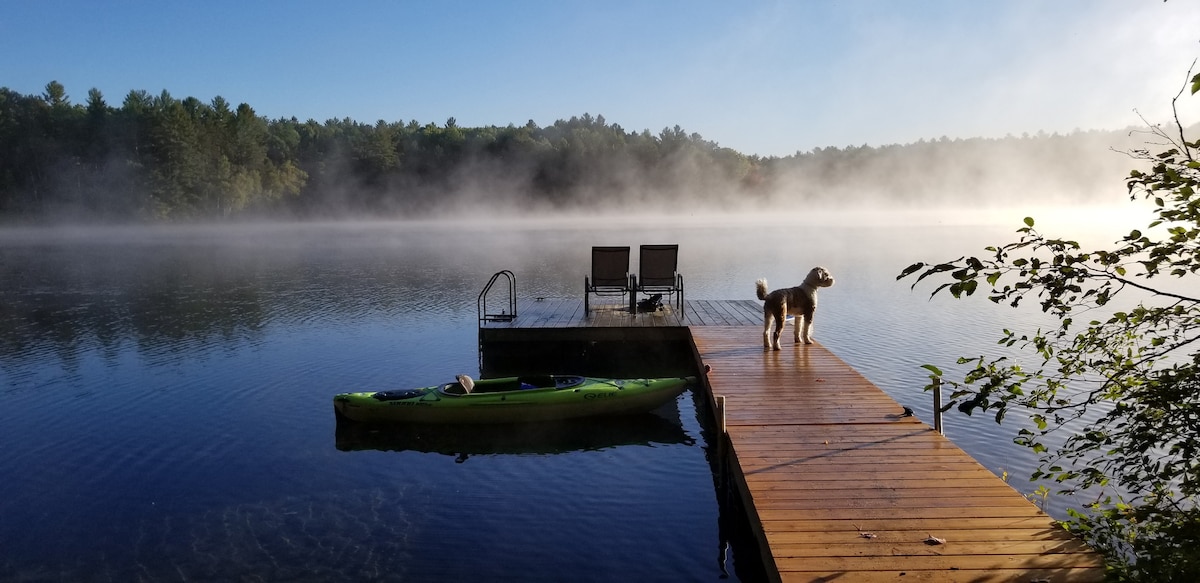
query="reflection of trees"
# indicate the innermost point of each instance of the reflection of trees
(181, 290)
(69, 301)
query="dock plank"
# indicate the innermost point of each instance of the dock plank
(698, 313)
(612, 312)
(826, 456)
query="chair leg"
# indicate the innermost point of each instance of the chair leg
(632, 294)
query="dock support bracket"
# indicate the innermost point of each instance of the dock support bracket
(937, 406)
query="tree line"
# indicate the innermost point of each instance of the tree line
(157, 157)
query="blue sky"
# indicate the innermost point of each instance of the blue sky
(768, 78)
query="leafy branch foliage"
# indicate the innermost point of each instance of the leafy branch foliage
(1124, 387)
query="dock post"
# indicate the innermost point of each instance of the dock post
(937, 406)
(722, 449)
(720, 412)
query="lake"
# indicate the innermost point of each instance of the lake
(165, 395)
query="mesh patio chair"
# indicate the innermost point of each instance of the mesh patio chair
(610, 274)
(657, 273)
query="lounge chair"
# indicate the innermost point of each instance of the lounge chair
(657, 273)
(610, 274)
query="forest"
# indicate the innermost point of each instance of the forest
(156, 158)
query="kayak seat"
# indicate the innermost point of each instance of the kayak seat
(454, 389)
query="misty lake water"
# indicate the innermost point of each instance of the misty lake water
(165, 396)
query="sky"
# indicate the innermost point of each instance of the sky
(770, 78)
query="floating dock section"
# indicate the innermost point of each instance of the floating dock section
(838, 483)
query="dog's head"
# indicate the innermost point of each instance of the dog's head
(819, 277)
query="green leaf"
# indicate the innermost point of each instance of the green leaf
(1029, 221)
(911, 269)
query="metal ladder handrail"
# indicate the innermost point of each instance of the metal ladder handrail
(481, 302)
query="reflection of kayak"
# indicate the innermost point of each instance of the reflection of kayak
(512, 399)
(545, 438)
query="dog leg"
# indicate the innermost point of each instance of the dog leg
(780, 317)
(773, 323)
(806, 333)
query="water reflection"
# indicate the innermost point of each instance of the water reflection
(178, 295)
(550, 438)
(175, 290)
(172, 387)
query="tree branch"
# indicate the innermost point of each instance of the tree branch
(1151, 290)
(1175, 111)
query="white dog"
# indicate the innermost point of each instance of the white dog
(799, 301)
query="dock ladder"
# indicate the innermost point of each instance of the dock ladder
(505, 315)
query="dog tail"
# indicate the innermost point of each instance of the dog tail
(760, 287)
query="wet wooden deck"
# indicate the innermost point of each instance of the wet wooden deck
(847, 489)
(611, 313)
(843, 486)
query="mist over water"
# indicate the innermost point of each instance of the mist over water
(165, 391)
(585, 166)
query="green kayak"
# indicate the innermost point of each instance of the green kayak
(511, 399)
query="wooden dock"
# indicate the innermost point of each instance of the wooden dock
(848, 489)
(568, 313)
(840, 485)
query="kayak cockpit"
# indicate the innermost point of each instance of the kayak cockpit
(465, 386)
